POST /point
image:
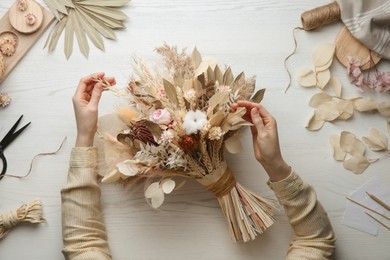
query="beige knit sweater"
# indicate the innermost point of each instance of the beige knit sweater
(84, 233)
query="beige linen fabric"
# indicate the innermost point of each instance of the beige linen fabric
(84, 234)
(369, 22)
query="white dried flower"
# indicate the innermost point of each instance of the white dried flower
(223, 88)
(194, 121)
(166, 136)
(215, 133)
(5, 99)
(189, 95)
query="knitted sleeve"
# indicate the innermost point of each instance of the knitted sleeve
(83, 230)
(313, 234)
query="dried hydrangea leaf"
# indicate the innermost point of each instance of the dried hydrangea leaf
(168, 185)
(328, 111)
(376, 140)
(323, 54)
(350, 144)
(364, 104)
(335, 84)
(356, 164)
(306, 77)
(233, 144)
(384, 108)
(315, 123)
(338, 154)
(346, 109)
(322, 78)
(319, 98)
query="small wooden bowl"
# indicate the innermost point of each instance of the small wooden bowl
(347, 45)
(17, 18)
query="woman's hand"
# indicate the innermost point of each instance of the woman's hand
(85, 103)
(265, 140)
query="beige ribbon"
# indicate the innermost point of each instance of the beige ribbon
(31, 212)
(223, 185)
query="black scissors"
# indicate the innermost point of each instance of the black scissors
(8, 138)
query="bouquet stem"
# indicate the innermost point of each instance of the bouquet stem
(246, 213)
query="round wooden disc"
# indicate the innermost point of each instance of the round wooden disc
(347, 45)
(17, 18)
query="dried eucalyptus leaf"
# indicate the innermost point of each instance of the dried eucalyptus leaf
(233, 144)
(376, 140)
(350, 144)
(218, 74)
(306, 77)
(319, 99)
(258, 96)
(335, 84)
(356, 164)
(346, 109)
(338, 154)
(328, 111)
(322, 78)
(323, 54)
(384, 108)
(315, 123)
(196, 58)
(364, 104)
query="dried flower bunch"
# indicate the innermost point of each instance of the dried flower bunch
(92, 18)
(177, 123)
(333, 107)
(8, 43)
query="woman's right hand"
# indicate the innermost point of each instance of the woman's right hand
(265, 140)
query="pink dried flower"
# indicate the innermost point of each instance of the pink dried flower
(161, 117)
(5, 99)
(383, 81)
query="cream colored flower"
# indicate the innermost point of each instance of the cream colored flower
(215, 133)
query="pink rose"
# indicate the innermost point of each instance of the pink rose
(161, 117)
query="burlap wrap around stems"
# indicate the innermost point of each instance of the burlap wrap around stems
(246, 213)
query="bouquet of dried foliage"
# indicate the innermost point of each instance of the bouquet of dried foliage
(177, 124)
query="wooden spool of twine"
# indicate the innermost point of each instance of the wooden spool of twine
(223, 185)
(320, 16)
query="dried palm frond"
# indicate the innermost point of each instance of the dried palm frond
(84, 18)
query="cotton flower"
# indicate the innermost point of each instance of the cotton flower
(194, 121)
(215, 133)
(166, 136)
(161, 117)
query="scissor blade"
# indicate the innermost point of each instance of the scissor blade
(11, 135)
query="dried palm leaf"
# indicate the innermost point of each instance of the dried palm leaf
(84, 18)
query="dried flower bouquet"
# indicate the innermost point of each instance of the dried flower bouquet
(178, 123)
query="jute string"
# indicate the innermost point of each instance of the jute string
(29, 212)
(223, 185)
(321, 16)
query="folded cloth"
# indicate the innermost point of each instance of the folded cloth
(369, 22)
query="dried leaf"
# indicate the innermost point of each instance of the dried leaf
(356, 164)
(99, 25)
(335, 84)
(110, 12)
(258, 96)
(325, 67)
(152, 189)
(346, 109)
(93, 35)
(315, 123)
(384, 108)
(233, 144)
(59, 27)
(228, 77)
(350, 144)
(207, 62)
(319, 98)
(217, 118)
(112, 3)
(376, 140)
(80, 35)
(338, 154)
(328, 111)
(219, 98)
(196, 58)
(232, 119)
(112, 176)
(218, 74)
(168, 185)
(69, 30)
(306, 77)
(154, 129)
(170, 91)
(322, 77)
(107, 20)
(364, 104)
(388, 126)
(323, 54)
(210, 75)
(56, 7)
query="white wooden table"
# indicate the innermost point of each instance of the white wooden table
(254, 36)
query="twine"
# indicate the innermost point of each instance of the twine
(321, 16)
(223, 185)
(31, 212)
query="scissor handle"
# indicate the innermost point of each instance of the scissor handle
(2, 157)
